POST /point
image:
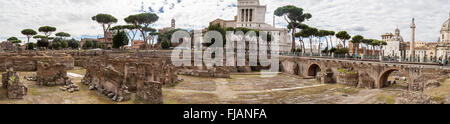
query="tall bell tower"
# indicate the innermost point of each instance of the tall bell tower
(173, 23)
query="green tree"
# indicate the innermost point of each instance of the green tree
(64, 44)
(294, 16)
(165, 44)
(380, 44)
(47, 30)
(310, 33)
(62, 35)
(330, 35)
(120, 39)
(133, 29)
(356, 40)
(39, 37)
(14, 40)
(321, 34)
(43, 43)
(341, 51)
(302, 35)
(74, 44)
(343, 36)
(31, 46)
(56, 45)
(367, 43)
(142, 22)
(88, 45)
(29, 33)
(106, 20)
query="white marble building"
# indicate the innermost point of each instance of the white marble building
(443, 47)
(251, 14)
(395, 44)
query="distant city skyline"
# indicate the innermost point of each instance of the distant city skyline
(370, 18)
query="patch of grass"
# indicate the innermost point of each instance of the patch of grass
(346, 71)
(34, 92)
(170, 101)
(439, 94)
(385, 98)
(349, 90)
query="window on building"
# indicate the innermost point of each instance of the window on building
(242, 15)
(251, 15)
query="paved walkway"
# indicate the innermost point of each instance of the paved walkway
(73, 75)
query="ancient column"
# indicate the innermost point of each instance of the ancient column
(413, 42)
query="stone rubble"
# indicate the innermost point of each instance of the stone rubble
(427, 81)
(117, 77)
(414, 98)
(30, 78)
(70, 87)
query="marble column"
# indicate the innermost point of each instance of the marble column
(413, 42)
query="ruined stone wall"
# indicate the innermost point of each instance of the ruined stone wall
(27, 61)
(15, 88)
(51, 73)
(370, 74)
(116, 77)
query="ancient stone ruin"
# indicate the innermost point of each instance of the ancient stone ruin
(28, 61)
(414, 98)
(117, 77)
(213, 72)
(51, 74)
(11, 81)
(427, 81)
(70, 87)
(348, 77)
(365, 81)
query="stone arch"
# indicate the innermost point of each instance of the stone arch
(313, 69)
(385, 75)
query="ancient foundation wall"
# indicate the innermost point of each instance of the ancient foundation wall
(15, 88)
(29, 61)
(51, 73)
(116, 77)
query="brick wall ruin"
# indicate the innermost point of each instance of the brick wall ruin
(11, 82)
(51, 73)
(116, 77)
(27, 61)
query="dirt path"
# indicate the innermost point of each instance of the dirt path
(73, 75)
(361, 97)
(225, 92)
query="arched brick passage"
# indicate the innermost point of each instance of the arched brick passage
(383, 78)
(313, 70)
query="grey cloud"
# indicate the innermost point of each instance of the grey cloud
(370, 18)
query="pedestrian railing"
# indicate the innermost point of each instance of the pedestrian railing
(424, 60)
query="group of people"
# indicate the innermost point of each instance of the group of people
(443, 62)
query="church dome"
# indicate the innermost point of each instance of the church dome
(397, 31)
(446, 25)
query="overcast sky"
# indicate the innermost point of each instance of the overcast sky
(370, 18)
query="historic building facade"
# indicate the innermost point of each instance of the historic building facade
(106, 41)
(251, 14)
(395, 44)
(443, 46)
